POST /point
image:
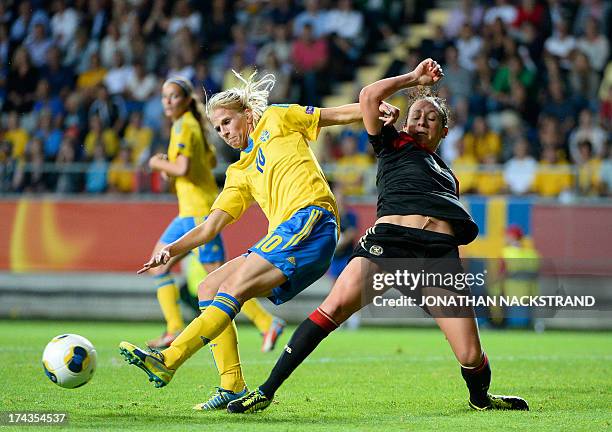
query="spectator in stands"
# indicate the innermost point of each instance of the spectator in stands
(314, 16)
(530, 11)
(461, 84)
(594, 45)
(98, 19)
(94, 76)
(280, 92)
(310, 56)
(46, 102)
(490, 180)
(589, 169)
(520, 170)
(50, 135)
(113, 43)
(120, 173)
(346, 38)
(68, 180)
(21, 82)
(557, 105)
(469, 45)
(97, 171)
(64, 23)
(449, 149)
(140, 85)
(241, 46)
(218, 24)
(606, 172)
(482, 142)
(184, 17)
(16, 136)
(203, 82)
(561, 44)
(30, 175)
(600, 10)
(503, 10)
(466, 12)
(99, 135)
(79, 51)
(138, 138)
(75, 119)
(587, 130)
(351, 167)
(38, 43)
(280, 45)
(110, 109)
(27, 18)
(465, 167)
(583, 81)
(554, 175)
(60, 78)
(118, 76)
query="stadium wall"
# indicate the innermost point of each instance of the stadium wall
(48, 235)
(77, 259)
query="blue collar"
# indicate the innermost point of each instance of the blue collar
(249, 147)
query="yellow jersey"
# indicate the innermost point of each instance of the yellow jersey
(278, 169)
(196, 190)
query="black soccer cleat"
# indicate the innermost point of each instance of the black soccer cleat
(253, 402)
(499, 402)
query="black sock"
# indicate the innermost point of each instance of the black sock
(478, 380)
(303, 341)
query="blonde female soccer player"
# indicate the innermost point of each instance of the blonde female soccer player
(189, 162)
(277, 170)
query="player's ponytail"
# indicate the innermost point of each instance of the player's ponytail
(253, 95)
(196, 107)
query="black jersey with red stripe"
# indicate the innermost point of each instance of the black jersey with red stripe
(413, 180)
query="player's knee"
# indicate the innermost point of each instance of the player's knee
(469, 356)
(206, 290)
(235, 288)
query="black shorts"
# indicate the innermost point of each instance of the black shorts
(395, 247)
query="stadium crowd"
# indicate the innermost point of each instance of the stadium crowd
(529, 81)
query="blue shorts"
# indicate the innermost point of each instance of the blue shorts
(209, 253)
(302, 248)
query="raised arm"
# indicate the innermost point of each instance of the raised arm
(197, 236)
(351, 113)
(427, 73)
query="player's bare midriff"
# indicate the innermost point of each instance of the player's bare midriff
(428, 223)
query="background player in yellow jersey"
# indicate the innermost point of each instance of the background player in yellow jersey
(278, 170)
(190, 161)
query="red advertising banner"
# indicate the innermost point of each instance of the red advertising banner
(49, 235)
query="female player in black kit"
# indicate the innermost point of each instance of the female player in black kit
(419, 216)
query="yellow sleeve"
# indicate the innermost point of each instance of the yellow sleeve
(235, 198)
(304, 120)
(185, 139)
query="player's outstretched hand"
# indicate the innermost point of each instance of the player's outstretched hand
(390, 113)
(428, 72)
(160, 258)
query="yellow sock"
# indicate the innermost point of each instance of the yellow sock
(224, 349)
(168, 296)
(208, 326)
(257, 314)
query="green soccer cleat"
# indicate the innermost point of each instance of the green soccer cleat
(150, 361)
(499, 402)
(219, 399)
(253, 402)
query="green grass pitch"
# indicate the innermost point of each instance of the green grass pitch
(367, 380)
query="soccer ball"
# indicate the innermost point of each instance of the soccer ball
(69, 360)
